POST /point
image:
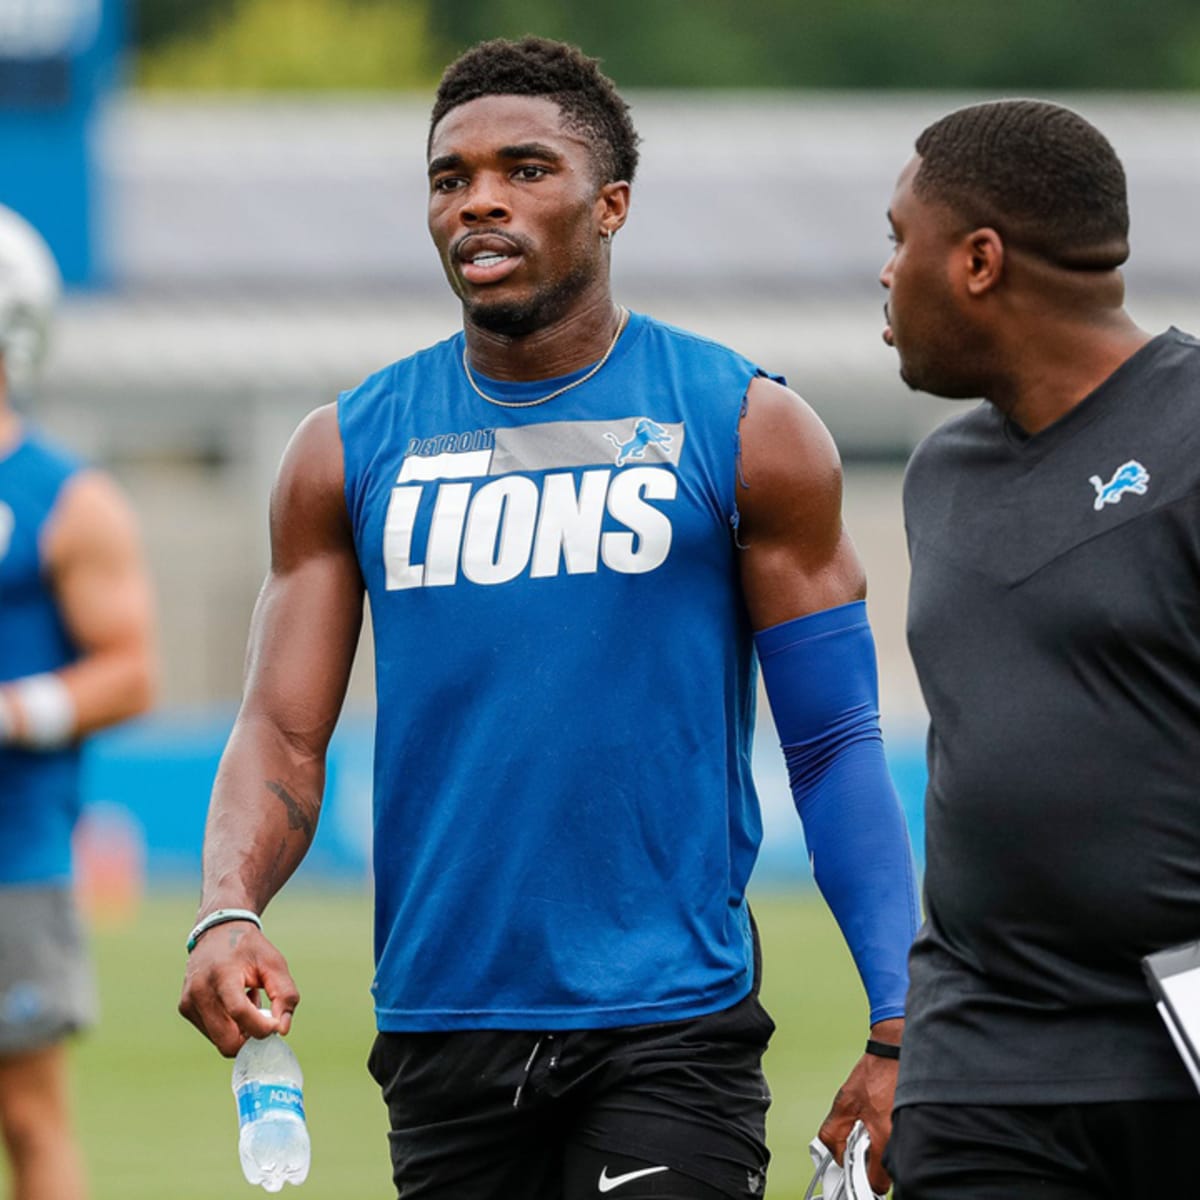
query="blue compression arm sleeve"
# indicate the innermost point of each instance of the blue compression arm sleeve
(821, 680)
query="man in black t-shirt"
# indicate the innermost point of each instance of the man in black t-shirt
(1054, 619)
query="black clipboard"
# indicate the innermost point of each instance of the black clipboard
(1174, 978)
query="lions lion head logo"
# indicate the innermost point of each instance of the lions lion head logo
(646, 433)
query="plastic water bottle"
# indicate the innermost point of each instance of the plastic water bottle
(273, 1138)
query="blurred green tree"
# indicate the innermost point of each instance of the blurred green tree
(1017, 46)
(156, 22)
(643, 43)
(293, 45)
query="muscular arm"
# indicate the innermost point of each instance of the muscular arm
(797, 557)
(97, 570)
(798, 561)
(268, 790)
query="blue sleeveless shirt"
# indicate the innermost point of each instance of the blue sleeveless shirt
(39, 791)
(565, 819)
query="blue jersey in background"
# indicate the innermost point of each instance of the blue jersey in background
(39, 790)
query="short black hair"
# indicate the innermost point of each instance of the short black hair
(1038, 173)
(560, 72)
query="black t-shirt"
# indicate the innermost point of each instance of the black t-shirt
(1054, 619)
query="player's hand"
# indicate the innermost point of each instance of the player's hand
(221, 987)
(867, 1096)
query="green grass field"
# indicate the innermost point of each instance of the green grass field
(153, 1098)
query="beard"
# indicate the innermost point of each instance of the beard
(520, 317)
(949, 360)
(941, 381)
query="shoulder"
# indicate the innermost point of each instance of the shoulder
(312, 459)
(1175, 354)
(45, 466)
(392, 378)
(1183, 345)
(92, 518)
(52, 455)
(789, 466)
(781, 432)
(683, 341)
(1158, 420)
(958, 439)
(797, 557)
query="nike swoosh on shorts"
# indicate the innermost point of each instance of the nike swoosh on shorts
(608, 1182)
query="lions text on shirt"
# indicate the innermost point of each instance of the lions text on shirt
(564, 816)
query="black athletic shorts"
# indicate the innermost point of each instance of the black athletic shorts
(1129, 1150)
(673, 1111)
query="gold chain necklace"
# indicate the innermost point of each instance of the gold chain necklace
(624, 320)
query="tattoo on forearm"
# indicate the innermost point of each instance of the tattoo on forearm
(274, 870)
(298, 817)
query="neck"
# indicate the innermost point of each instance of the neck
(1065, 332)
(1058, 364)
(563, 345)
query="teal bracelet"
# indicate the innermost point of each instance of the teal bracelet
(220, 917)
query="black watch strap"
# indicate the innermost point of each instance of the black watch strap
(882, 1049)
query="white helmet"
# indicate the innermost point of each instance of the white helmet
(847, 1182)
(29, 289)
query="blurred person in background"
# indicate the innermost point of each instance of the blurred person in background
(574, 525)
(76, 655)
(1054, 620)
